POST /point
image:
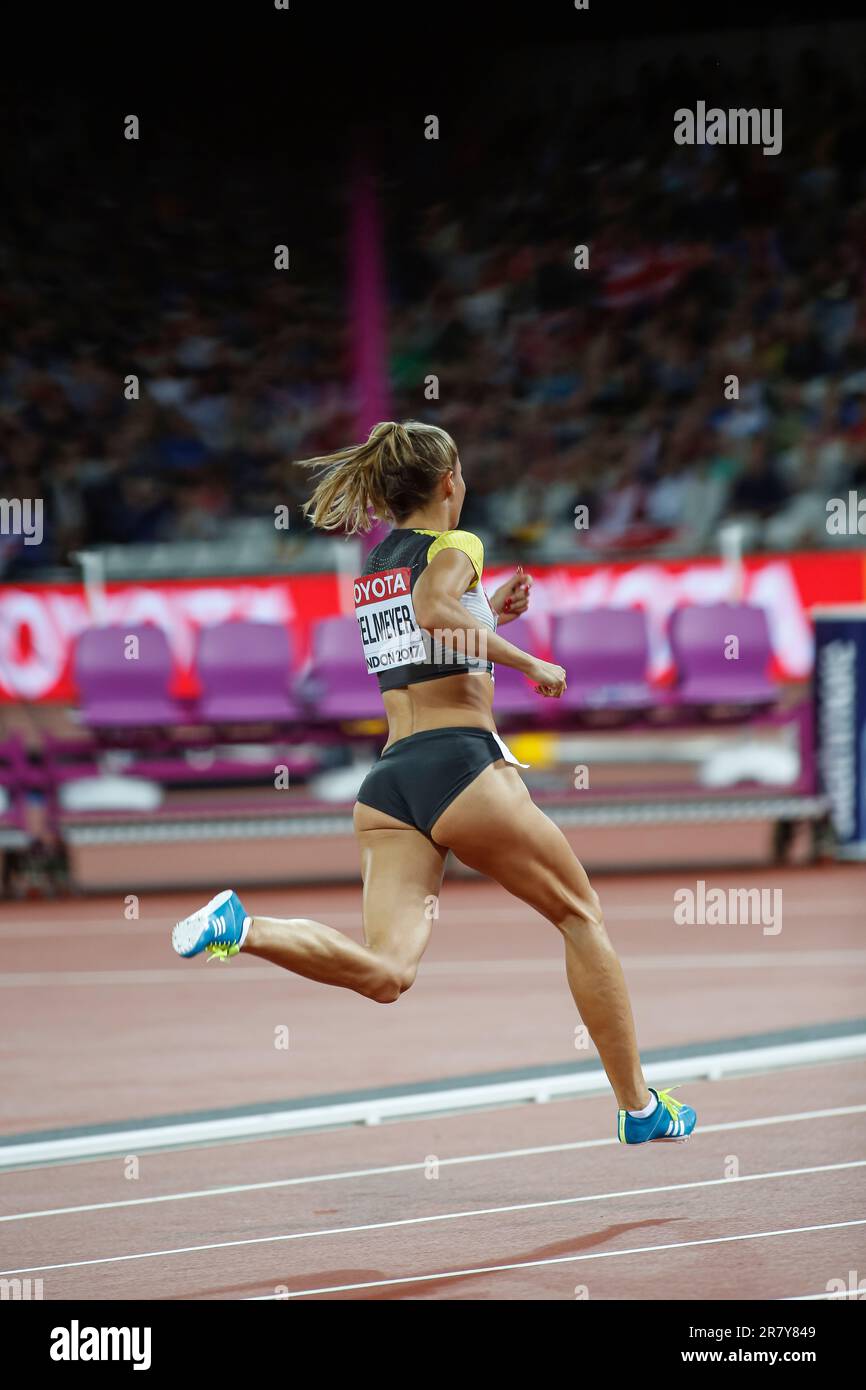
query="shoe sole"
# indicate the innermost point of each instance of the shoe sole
(662, 1139)
(185, 934)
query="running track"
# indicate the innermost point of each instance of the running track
(103, 1024)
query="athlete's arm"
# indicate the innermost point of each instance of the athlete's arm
(436, 598)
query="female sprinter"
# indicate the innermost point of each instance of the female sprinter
(444, 779)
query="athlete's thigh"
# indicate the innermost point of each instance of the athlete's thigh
(402, 874)
(495, 827)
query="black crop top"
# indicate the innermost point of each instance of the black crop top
(397, 651)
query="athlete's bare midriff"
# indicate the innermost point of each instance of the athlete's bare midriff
(449, 701)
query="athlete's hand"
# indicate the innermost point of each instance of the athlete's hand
(548, 678)
(512, 598)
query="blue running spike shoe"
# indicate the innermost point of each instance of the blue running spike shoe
(670, 1120)
(217, 928)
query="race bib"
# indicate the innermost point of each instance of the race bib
(386, 616)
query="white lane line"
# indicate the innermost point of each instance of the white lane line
(535, 965)
(442, 1216)
(449, 1099)
(805, 906)
(387, 1169)
(738, 960)
(669, 961)
(813, 1297)
(63, 979)
(557, 1260)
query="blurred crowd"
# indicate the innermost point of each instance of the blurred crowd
(708, 365)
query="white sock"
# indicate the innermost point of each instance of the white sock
(244, 929)
(647, 1110)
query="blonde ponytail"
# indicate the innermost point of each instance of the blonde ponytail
(390, 475)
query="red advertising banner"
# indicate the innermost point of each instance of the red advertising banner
(785, 586)
(39, 623)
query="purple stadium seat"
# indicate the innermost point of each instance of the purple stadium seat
(337, 686)
(244, 669)
(700, 637)
(118, 691)
(605, 653)
(15, 778)
(514, 696)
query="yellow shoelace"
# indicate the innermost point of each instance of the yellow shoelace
(673, 1107)
(217, 952)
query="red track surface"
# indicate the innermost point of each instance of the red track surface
(104, 1024)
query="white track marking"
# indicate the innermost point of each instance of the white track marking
(559, 1260)
(385, 1170)
(62, 979)
(535, 965)
(813, 1297)
(184, 1130)
(444, 1216)
(757, 960)
(654, 911)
